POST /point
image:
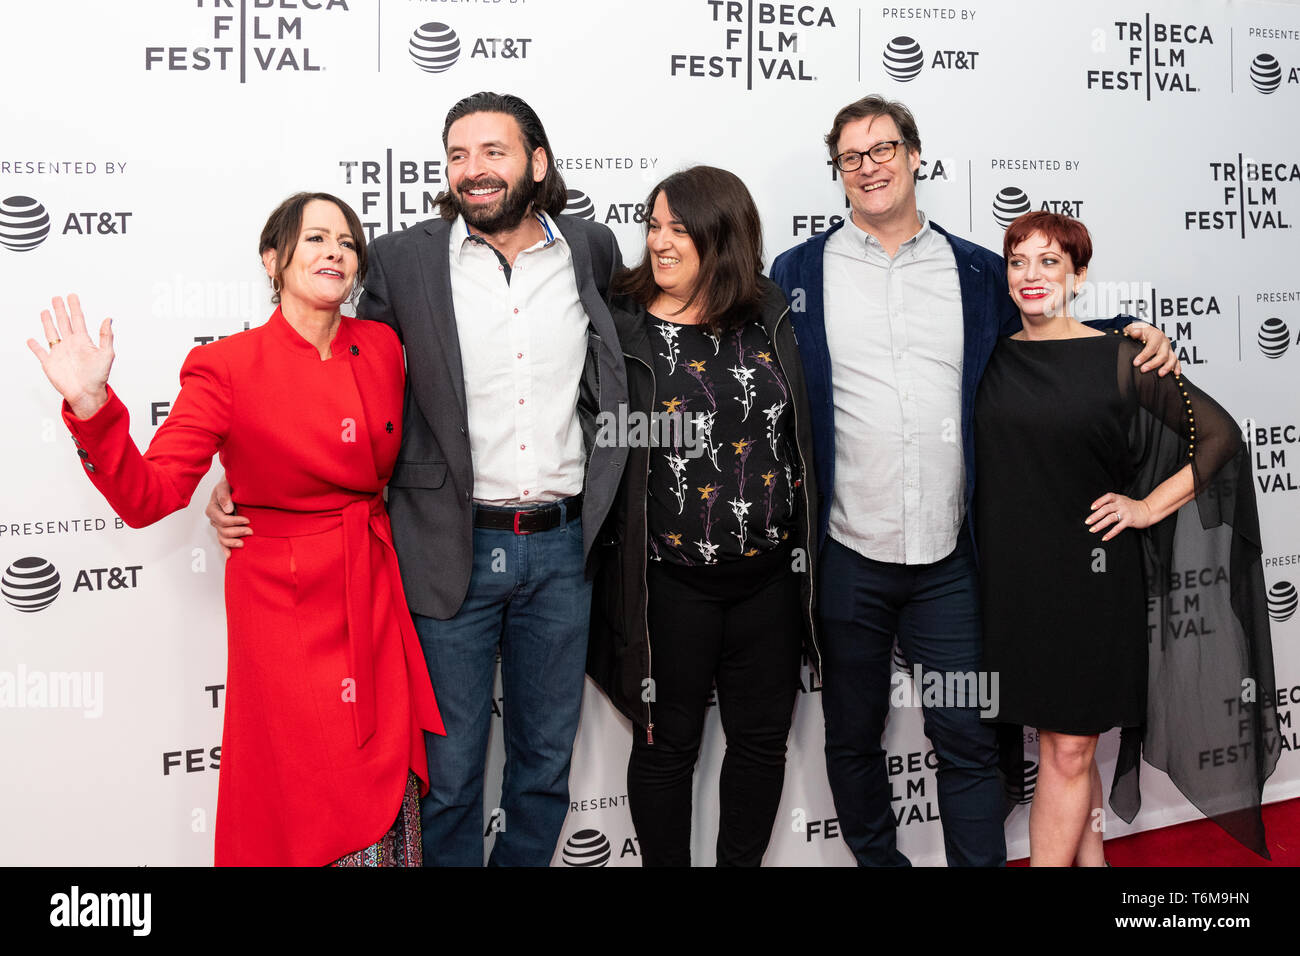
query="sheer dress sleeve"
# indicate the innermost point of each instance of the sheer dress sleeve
(1211, 719)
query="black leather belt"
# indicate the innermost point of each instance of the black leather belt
(528, 519)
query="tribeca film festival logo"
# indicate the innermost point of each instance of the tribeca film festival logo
(1175, 315)
(246, 36)
(1268, 446)
(196, 759)
(1248, 194)
(1152, 57)
(393, 193)
(25, 223)
(759, 41)
(1182, 601)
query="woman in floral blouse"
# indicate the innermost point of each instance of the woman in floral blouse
(707, 575)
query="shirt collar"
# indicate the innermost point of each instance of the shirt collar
(866, 241)
(462, 237)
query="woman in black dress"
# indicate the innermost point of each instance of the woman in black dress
(1074, 446)
(706, 576)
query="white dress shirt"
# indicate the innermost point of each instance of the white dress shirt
(895, 336)
(522, 347)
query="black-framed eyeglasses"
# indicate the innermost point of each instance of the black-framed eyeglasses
(880, 153)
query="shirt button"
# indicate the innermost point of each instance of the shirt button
(516, 311)
(525, 491)
(519, 355)
(522, 447)
(521, 401)
(354, 350)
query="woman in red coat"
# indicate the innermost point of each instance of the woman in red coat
(326, 688)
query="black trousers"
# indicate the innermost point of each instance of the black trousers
(738, 624)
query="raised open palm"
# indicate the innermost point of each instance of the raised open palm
(75, 365)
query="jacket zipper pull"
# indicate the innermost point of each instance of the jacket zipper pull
(650, 733)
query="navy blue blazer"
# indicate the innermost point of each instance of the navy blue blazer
(987, 315)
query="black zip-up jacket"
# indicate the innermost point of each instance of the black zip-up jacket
(619, 656)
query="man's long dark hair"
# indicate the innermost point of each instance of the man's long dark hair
(720, 217)
(551, 193)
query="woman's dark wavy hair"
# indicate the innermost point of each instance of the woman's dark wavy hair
(720, 217)
(551, 192)
(284, 225)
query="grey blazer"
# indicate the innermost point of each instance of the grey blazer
(408, 287)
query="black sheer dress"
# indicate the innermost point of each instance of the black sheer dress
(1162, 632)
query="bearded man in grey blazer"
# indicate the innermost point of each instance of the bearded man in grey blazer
(499, 489)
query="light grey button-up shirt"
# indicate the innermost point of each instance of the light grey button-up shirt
(894, 331)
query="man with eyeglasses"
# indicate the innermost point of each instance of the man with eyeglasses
(896, 320)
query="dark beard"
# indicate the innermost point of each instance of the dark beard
(519, 196)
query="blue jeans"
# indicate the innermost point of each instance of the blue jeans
(934, 611)
(527, 593)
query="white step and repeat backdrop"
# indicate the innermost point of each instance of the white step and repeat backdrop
(142, 145)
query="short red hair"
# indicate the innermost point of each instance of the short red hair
(1070, 234)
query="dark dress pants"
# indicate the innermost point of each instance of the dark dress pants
(934, 611)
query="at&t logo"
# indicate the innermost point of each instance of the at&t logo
(587, 848)
(24, 223)
(579, 204)
(1009, 205)
(903, 59)
(1030, 770)
(1282, 601)
(435, 47)
(1012, 202)
(1274, 337)
(1266, 73)
(30, 584)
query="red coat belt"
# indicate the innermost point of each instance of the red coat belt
(358, 519)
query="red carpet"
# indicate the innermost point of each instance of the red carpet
(1201, 843)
